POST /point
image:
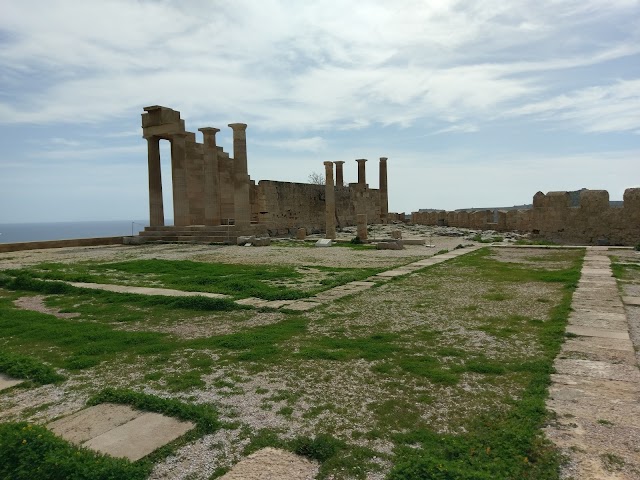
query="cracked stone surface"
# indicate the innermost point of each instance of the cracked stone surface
(595, 392)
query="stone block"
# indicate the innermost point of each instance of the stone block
(244, 239)
(262, 242)
(324, 242)
(397, 234)
(396, 245)
(301, 234)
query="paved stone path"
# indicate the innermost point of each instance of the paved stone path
(8, 382)
(119, 430)
(298, 305)
(596, 390)
(273, 464)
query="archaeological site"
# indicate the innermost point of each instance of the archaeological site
(352, 343)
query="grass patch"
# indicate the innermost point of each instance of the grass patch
(204, 416)
(29, 452)
(22, 366)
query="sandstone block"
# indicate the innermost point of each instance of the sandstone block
(301, 234)
(262, 242)
(397, 234)
(397, 245)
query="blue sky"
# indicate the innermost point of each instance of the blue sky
(475, 103)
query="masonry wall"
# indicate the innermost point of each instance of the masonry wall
(285, 206)
(592, 222)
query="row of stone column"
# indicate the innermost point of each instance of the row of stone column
(330, 201)
(180, 165)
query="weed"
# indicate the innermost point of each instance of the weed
(612, 462)
(607, 423)
(22, 366)
(32, 452)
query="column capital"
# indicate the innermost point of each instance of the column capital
(383, 159)
(209, 130)
(328, 164)
(339, 162)
(361, 160)
(238, 126)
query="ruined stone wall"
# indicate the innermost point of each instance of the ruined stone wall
(285, 206)
(553, 218)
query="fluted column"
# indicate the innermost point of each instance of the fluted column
(179, 178)
(362, 179)
(242, 207)
(339, 173)
(211, 177)
(330, 201)
(384, 194)
(156, 207)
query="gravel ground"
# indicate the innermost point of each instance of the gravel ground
(350, 386)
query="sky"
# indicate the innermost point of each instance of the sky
(475, 103)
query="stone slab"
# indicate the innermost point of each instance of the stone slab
(598, 332)
(302, 306)
(140, 436)
(324, 242)
(599, 343)
(620, 388)
(8, 382)
(633, 301)
(594, 369)
(93, 421)
(167, 292)
(272, 464)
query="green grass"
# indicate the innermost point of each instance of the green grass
(238, 281)
(204, 416)
(410, 371)
(28, 368)
(29, 452)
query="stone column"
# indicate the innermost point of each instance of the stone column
(330, 201)
(361, 172)
(384, 194)
(362, 226)
(179, 178)
(156, 207)
(339, 174)
(242, 207)
(211, 177)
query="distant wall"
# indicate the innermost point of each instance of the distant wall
(553, 218)
(75, 242)
(284, 206)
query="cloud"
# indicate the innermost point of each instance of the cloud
(307, 68)
(604, 108)
(463, 128)
(310, 144)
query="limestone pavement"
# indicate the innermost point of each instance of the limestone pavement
(596, 390)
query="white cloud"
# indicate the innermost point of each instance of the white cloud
(608, 108)
(310, 144)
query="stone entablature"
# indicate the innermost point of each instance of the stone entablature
(211, 188)
(592, 222)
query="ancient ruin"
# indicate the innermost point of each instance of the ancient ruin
(594, 221)
(214, 198)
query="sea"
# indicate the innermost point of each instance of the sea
(31, 232)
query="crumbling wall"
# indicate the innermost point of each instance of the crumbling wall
(593, 222)
(285, 206)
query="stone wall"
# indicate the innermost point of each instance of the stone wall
(74, 242)
(594, 221)
(285, 206)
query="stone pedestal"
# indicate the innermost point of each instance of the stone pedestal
(301, 234)
(330, 201)
(362, 226)
(156, 207)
